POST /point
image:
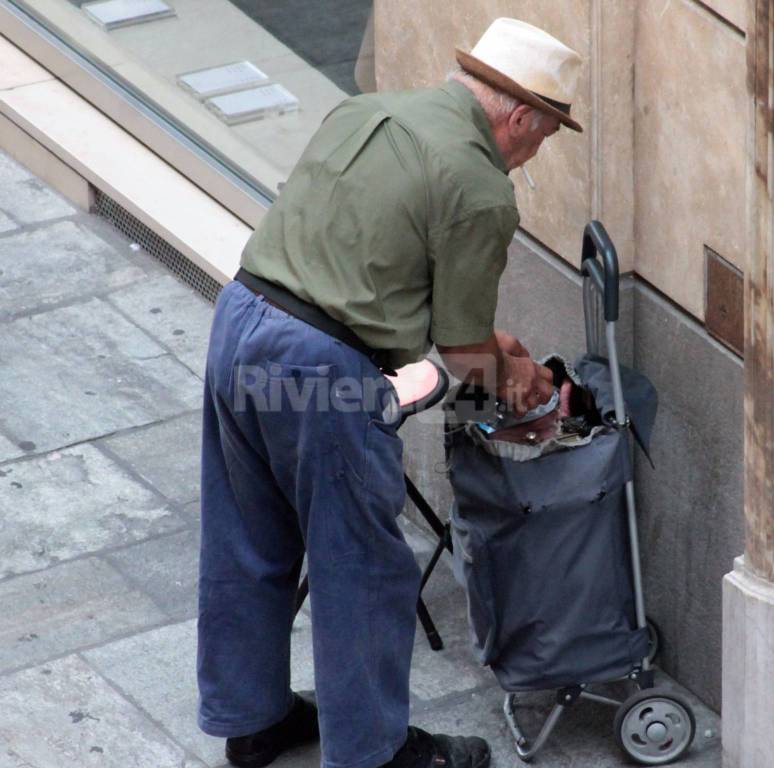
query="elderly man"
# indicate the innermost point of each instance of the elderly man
(390, 235)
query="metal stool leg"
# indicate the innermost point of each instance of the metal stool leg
(425, 509)
(303, 591)
(433, 636)
(443, 543)
(436, 643)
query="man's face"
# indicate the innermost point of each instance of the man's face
(527, 129)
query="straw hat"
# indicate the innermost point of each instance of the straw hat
(527, 63)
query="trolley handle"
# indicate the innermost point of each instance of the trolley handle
(605, 275)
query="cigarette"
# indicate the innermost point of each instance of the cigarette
(528, 177)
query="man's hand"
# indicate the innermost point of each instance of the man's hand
(528, 384)
(503, 367)
(525, 386)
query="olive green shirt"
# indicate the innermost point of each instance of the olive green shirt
(395, 221)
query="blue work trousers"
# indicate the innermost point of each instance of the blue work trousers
(298, 456)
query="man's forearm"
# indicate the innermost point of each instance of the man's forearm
(483, 364)
(502, 366)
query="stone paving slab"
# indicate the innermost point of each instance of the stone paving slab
(6, 224)
(70, 503)
(436, 674)
(12, 172)
(166, 568)
(57, 263)
(70, 606)
(192, 511)
(439, 673)
(301, 661)
(25, 197)
(166, 455)
(172, 313)
(79, 721)
(83, 371)
(8, 450)
(157, 669)
(127, 248)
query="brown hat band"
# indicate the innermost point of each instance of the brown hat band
(564, 108)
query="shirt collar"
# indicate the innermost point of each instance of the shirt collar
(472, 109)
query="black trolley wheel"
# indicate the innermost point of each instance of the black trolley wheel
(654, 640)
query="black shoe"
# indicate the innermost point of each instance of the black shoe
(422, 750)
(258, 749)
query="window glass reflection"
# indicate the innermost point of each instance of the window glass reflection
(251, 78)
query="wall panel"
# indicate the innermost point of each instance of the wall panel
(689, 146)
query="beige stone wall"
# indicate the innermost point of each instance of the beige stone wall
(661, 98)
(732, 11)
(690, 123)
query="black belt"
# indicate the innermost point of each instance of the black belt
(288, 302)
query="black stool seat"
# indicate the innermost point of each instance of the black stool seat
(420, 386)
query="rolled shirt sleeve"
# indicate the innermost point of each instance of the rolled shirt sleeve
(468, 256)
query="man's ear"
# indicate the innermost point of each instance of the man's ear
(520, 119)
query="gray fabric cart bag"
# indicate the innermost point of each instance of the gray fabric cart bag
(542, 547)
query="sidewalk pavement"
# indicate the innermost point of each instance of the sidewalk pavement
(102, 352)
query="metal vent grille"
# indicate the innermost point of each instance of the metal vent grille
(133, 228)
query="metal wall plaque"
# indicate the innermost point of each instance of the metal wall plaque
(205, 83)
(253, 104)
(724, 301)
(112, 14)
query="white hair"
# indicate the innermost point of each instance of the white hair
(497, 104)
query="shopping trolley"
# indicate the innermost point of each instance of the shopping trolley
(546, 545)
